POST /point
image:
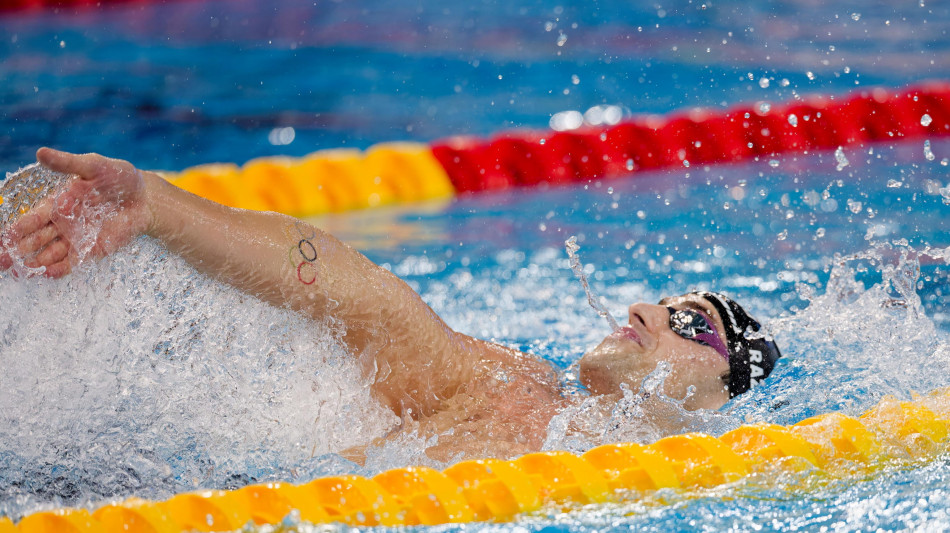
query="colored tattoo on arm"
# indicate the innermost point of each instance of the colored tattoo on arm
(303, 255)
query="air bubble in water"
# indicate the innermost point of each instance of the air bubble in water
(629, 164)
(841, 159)
(928, 153)
(773, 163)
(855, 16)
(764, 83)
(925, 120)
(561, 39)
(855, 206)
(793, 120)
(782, 236)
(945, 161)
(893, 184)
(764, 108)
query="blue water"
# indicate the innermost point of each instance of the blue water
(106, 404)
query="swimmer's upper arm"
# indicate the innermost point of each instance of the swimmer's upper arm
(415, 360)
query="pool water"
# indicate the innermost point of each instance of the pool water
(138, 376)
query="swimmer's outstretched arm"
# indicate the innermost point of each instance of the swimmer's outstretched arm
(413, 358)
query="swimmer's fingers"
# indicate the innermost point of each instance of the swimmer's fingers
(54, 257)
(58, 269)
(86, 166)
(32, 221)
(29, 234)
(37, 241)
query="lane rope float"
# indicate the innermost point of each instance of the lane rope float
(892, 434)
(397, 173)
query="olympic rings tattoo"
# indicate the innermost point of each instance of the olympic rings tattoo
(306, 269)
(300, 276)
(312, 249)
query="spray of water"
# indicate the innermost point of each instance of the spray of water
(572, 247)
(137, 375)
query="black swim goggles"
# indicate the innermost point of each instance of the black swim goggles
(694, 325)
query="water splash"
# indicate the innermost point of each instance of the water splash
(841, 159)
(856, 342)
(137, 375)
(24, 188)
(572, 247)
(928, 152)
(36, 187)
(643, 415)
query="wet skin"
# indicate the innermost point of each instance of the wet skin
(633, 352)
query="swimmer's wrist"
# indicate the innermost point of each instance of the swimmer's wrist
(155, 188)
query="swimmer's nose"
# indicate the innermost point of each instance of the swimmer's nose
(654, 317)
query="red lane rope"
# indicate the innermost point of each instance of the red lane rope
(39, 5)
(699, 136)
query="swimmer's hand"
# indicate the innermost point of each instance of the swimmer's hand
(49, 234)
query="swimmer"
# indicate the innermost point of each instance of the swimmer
(481, 399)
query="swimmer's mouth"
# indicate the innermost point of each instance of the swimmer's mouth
(628, 332)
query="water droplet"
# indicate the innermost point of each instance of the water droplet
(855, 16)
(854, 206)
(928, 153)
(773, 163)
(629, 164)
(810, 74)
(841, 159)
(784, 82)
(793, 120)
(764, 107)
(764, 83)
(945, 192)
(686, 163)
(561, 39)
(574, 79)
(925, 120)
(893, 184)
(945, 161)
(782, 236)
(819, 233)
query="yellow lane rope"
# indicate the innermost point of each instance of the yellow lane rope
(893, 433)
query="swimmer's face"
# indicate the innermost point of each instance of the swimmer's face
(631, 353)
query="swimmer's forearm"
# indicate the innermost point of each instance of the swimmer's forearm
(414, 359)
(272, 256)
